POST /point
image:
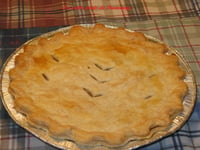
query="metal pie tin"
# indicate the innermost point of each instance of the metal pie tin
(178, 121)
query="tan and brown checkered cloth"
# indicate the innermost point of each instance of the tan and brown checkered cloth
(45, 13)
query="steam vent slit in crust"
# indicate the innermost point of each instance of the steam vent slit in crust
(97, 85)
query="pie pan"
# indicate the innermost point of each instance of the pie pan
(178, 121)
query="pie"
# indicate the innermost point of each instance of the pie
(97, 85)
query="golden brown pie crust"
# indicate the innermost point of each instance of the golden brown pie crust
(97, 85)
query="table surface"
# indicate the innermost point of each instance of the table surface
(176, 22)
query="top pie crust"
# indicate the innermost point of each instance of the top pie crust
(97, 85)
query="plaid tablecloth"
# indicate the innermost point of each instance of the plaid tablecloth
(43, 13)
(176, 22)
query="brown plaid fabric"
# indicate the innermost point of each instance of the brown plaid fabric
(43, 13)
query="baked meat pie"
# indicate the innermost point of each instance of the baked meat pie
(97, 85)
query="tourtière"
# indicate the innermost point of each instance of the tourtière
(97, 85)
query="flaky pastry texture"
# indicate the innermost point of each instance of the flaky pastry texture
(97, 85)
